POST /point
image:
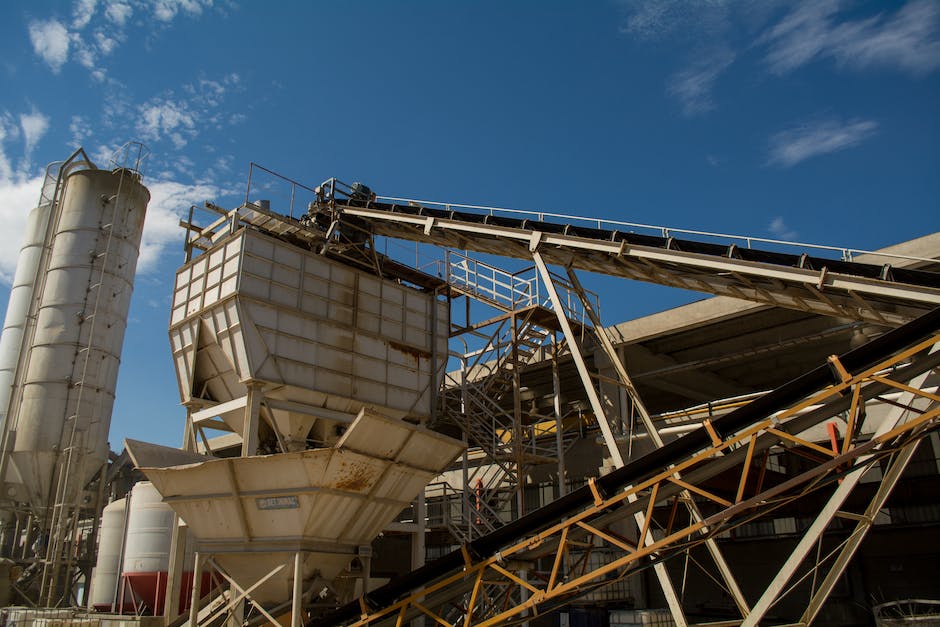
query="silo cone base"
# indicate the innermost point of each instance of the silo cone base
(253, 514)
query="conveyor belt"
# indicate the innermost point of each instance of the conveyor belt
(881, 294)
(673, 453)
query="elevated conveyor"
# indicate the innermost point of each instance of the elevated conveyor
(882, 294)
(844, 384)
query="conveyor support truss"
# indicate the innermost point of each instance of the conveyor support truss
(898, 361)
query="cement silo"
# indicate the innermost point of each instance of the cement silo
(28, 264)
(63, 391)
(105, 579)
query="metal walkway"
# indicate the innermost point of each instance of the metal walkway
(881, 294)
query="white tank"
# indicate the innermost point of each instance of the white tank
(104, 579)
(147, 547)
(21, 294)
(68, 373)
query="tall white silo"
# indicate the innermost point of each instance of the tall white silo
(63, 392)
(28, 265)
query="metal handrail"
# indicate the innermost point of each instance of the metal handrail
(846, 253)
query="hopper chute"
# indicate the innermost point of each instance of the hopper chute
(254, 513)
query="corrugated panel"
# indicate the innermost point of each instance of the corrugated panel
(345, 494)
(308, 323)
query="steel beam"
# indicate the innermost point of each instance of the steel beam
(814, 533)
(723, 568)
(669, 591)
(862, 528)
(819, 291)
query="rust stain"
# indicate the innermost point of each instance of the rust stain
(356, 477)
(410, 351)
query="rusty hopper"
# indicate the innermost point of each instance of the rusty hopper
(312, 340)
(253, 514)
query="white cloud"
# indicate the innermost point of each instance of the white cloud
(34, 126)
(50, 39)
(789, 147)
(693, 86)
(169, 201)
(80, 129)
(166, 10)
(8, 130)
(654, 19)
(908, 39)
(17, 197)
(119, 12)
(82, 13)
(94, 35)
(180, 120)
(105, 44)
(780, 230)
(164, 117)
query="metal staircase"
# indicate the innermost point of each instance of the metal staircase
(482, 399)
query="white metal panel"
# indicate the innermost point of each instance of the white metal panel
(338, 498)
(306, 326)
(149, 531)
(21, 294)
(80, 317)
(104, 579)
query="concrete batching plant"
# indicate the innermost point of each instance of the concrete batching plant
(345, 417)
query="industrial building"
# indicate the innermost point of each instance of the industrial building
(452, 436)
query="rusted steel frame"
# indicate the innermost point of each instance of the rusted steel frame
(861, 376)
(839, 368)
(705, 493)
(850, 424)
(746, 469)
(559, 556)
(783, 435)
(649, 511)
(432, 615)
(763, 471)
(666, 475)
(910, 425)
(400, 621)
(716, 519)
(575, 584)
(473, 597)
(586, 559)
(906, 388)
(672, 514)
(607, 536)
(518, 581)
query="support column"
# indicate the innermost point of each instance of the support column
(178, 539)
(717, 557)
(297, 600)
(518, 439)
(252, 418)
(197, 576)
(669, 591)
(171, 603)
(861, 530)
(418, 546)
(559, 424)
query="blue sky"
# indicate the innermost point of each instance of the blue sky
(816, 121)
